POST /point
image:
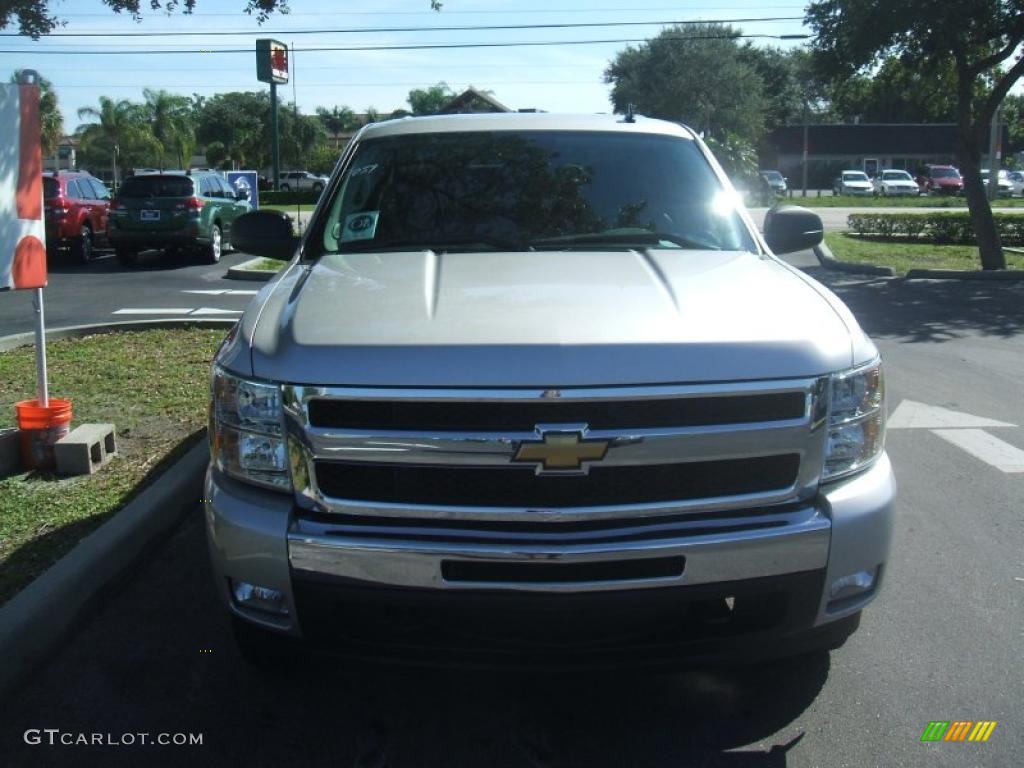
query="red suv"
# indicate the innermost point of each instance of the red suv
(75, 209)
(940, 180)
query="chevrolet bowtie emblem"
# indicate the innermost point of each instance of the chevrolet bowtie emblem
(560, 451)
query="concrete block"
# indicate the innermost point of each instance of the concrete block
(85, 449)
(10, 452)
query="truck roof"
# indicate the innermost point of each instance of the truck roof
(518, 121)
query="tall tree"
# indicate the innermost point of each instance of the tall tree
(695, 74)
(50, 119)
(979, 37)
(170, 120)
(337, 120)
(429, 101)
(116, 128)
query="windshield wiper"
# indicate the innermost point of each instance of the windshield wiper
(642, 237)
(438, 246)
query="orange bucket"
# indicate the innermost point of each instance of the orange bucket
(40, 429)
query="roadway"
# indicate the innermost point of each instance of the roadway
(944, 641)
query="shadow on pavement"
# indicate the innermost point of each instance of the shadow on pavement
(158, 657)
(930, 310)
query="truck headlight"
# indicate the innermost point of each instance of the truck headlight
(856, 425)
(246, 436)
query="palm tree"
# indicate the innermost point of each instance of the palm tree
(337, 120)
(115, 126)
(170, 120)
(51, 121)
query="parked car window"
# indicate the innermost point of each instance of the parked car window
(533, 189)
(102, 193)
(896, 176)
(945, 173)
(855, 176)
(205, 187)
(71, 185)
(157, 186)
(226, 190)
(51, 187)
(85, 188)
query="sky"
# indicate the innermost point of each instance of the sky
(555, 78)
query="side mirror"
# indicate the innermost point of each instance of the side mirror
(790, 228)
(265, 233)
(241, 194)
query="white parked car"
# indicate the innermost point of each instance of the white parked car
(853, 183)
(895, 183)
(1017, 180)
(1005, 186)
(302, 180)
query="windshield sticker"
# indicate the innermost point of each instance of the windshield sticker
(364, 169)
(360, 226)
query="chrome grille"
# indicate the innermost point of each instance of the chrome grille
(670, 450)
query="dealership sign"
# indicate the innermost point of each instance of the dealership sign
(248, 182)
(22, 232)
(271, 61)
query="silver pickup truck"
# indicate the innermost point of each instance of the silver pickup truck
(533, 388)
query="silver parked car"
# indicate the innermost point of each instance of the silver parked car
(854, 183)
(894, 183)
(535, 386)
(299, 180)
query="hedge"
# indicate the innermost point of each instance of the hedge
(291, 197)
(939, 227)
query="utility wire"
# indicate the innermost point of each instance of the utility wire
(467, 28)
(418, 47)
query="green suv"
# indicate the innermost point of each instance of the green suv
(175, 211)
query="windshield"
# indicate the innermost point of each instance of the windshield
(157, 186)
(855, 176)
(531, 190)
(945, 173)
(772, 175)
(896, 176)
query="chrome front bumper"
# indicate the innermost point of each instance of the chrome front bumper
(254, 537)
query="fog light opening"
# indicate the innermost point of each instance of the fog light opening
(257, 598)
(852, 585)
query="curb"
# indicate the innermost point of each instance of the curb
(827, 260)
(997, 275)
(35, 621)
(16, 340)
(244, 272)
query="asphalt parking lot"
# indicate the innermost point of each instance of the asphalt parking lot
(942, 642)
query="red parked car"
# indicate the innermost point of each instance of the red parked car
(75, 206)
(940, 180)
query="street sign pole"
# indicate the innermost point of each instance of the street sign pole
(272, 67)
(275, 143)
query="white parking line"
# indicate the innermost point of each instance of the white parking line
(982, 445)
(160, 311)
(224, 292)
(913, 415)
(178, 311)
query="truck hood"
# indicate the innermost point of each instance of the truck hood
(545, 319)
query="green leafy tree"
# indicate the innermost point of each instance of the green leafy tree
(118, 129)
(430, 101)
(337, 120)
(372, 116)
(51, 122)
(238, 122)
(694, 74)
(979, 38)
(170, 120)
(897, 93)
(34, 17)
